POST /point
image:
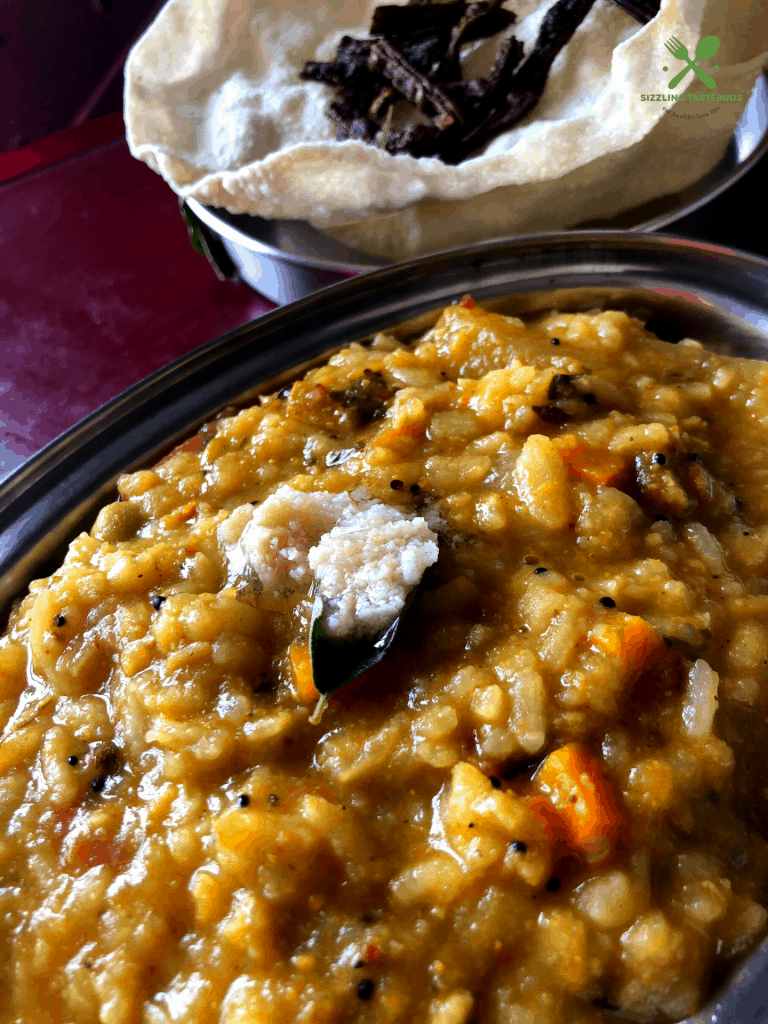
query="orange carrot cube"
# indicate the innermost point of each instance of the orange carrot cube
(627, 637)
(401, 439)
(302, 683)
(573, 782)
(602, 468)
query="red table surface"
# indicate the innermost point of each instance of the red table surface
(99, 287)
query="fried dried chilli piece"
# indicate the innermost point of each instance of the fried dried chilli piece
(414, 55)
(424, 34)
(515, 96)
(360, 88)
(641, 10)
(348, 68)
(419, 50)
(509, 55)
(416, 139)
(428, 98)
(426, 52)
(479, 20)
(350, 113)
(374, 73)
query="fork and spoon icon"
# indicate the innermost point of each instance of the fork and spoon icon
(707, 47)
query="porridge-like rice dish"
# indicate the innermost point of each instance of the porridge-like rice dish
(546, 804)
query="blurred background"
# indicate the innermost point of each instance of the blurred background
(99, 285)
(62, 63)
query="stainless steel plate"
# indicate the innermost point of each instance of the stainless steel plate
(287, 259)
(680, 288)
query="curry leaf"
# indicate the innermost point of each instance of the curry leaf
(337, 662)
(208, 244)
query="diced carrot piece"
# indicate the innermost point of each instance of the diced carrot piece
(554, 826)
(572, 780)
(467, 302)
(192, 444)
(401, 438)
(188, 511)
(627, 637)
(596, 467)
(301, 670)
(63, 818)
(92, 852)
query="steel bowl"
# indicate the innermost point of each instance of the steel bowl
(680, 288)
(285, 260)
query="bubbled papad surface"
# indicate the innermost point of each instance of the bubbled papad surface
(214, 103)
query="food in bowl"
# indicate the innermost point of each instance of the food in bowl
(546, 802)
